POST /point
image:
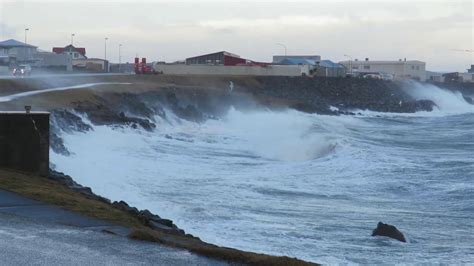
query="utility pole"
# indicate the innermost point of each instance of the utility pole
(72, 38)
(26, 35)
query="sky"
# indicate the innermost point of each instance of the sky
(431, 31)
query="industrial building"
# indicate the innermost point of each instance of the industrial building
(321, 68)
(277, 59)
(401, 69)
(221, 58)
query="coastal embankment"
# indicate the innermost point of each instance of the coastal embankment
(146, 104)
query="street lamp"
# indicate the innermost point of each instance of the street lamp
(350, 62)
(105, 48)
(26, 35)
(120, 56)
(282, 45)
(72, 38)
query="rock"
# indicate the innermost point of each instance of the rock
(468, 99)
(57, 144)
(389, 231)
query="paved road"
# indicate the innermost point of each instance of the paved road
(65, 75)
(33, 233)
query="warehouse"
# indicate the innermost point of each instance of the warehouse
(221, 58)
(401, 69)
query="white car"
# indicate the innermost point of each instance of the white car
(22, 70)
(372, 76)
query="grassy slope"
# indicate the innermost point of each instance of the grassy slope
(54, 193)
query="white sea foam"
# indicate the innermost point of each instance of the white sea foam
(448, 102)
(286, 183)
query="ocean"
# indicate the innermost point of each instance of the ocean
(297, 184)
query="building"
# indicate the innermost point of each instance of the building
(401, 69)
(327, 68)
(297, 61)
(73, 52)
(221, 58)
(13, 52)
(321, 68)
(470, 70)
(53, 62)
(277, 59)
(91, 65)
(434, 76)
(467, 77)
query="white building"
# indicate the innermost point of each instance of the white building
(401, 69)
(14, 52)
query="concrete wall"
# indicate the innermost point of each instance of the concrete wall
(23, 54)
(51, 60)
(24, 141)
(4, 70)
(272, 70)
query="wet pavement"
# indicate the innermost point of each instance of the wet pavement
(33, 233)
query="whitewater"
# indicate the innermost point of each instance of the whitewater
(296, 184)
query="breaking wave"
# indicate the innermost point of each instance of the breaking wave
(296, 184)
(448, 102)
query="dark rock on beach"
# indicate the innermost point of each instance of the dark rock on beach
(389, 231)
(149, 219)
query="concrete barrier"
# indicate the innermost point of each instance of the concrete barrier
(24, 141)
(271, 70)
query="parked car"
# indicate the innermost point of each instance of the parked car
(22, 70)
(373, 76)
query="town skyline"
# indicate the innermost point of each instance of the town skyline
(438, 32)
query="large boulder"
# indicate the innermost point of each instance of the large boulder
(388, 230)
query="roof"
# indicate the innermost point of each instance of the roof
(221, 52)
(14, 43)
(60, 50)
(297, 61)
(330, 64)
(382, 62)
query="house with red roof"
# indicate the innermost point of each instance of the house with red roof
(73, 52)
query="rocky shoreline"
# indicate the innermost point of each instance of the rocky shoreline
(147, 218)
(210, 99)
(140, 108)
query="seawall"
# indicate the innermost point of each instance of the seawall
(24, 141)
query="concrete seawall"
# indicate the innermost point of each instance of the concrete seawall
(272, 70)
(24, 141)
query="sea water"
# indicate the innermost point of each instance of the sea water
(301, 185)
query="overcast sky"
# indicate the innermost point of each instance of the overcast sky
(430, 31)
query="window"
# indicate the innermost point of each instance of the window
(417, 67)
(366, 67)
(412, 67)
(355, 67)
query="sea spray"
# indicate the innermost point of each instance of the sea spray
(226, 181)
(448, 102)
